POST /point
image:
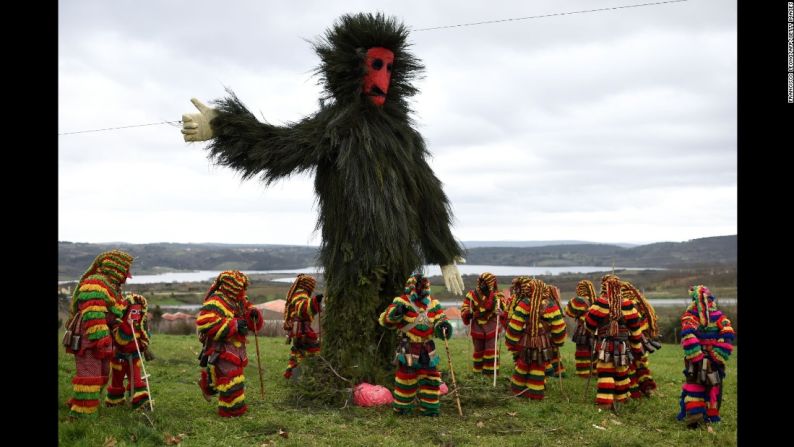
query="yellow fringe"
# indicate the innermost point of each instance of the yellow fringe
(235, 381)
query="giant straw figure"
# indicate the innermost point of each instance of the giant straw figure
(382, 211)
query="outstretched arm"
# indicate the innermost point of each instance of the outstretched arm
(240, 141)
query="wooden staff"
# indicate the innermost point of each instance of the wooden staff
(143, 368)
(452, 373)
(496, 342)
(259, 364)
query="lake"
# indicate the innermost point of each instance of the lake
(430, 270)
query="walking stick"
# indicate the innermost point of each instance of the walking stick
(452, 373)
(496, 342)
(259, 366)
(143, 367)
(559, 373)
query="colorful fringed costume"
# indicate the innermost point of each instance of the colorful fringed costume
(418, 316)
(707, 339)
(640, 380)
(555, 367)
(535, 327)
(95, 310)
(126, 361)
(616, 323)
(299, 312)
(382, 211)
(577, 308)
(479, 310)
(223, 323)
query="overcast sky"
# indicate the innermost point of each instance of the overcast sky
(612, 126)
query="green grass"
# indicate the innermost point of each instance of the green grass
(492, 417)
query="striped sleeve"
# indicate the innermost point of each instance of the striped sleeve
(388, 318)
(553, 317)
(216, 320)
(576, 307)
(596, 314)
(634, 324)
(94, 300)
(304, 308)
(515, 327)
(723, 347)
(689, 339)
(465, 308)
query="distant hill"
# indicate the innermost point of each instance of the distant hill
(74, 258)
(704, 251)
(478, 244)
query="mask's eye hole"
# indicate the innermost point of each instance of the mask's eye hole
(377, 64)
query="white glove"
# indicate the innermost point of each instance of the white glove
(196, 126)
(452, 278)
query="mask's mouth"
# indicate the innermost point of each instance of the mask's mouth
(376, 91)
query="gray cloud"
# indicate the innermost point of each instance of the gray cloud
(609, 126)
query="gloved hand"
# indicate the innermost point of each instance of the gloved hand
(196, 126)
(399, 311)
(444, 330)
(254, 315)
(148, 355)
(242, 327)
(452, 278)
(319, 298)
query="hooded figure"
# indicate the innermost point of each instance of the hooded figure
(131, 340)
(299, 312)
(223, 323)
(707, 339)
(576, 309)
(95, 311)
(616, 323)
(535, 327)
(641, 380)
(479, 310)
(382, 211)
(418, 316)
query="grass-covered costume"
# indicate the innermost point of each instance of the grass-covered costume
(641, 381)
(223, 322)
(577, 308)
(535, 327)
(616, 323)
(382, 211)
(299, 312)
(126, 361)
(479, 311)
(95, 310)
(707, 339)
(418, 317)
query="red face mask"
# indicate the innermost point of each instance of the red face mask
(136, 312)
(376, 80)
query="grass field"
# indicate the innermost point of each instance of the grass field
(491, 416)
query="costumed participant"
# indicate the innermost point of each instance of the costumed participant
(299, 312)
(126, 361)
(479, 309)
(418, 316)
(577, 308)
(556, 368)
(640, 380)
(616, 324)
(707, 339)
(223, 322)
(95, 309)
(382, 211)
(535, 327)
